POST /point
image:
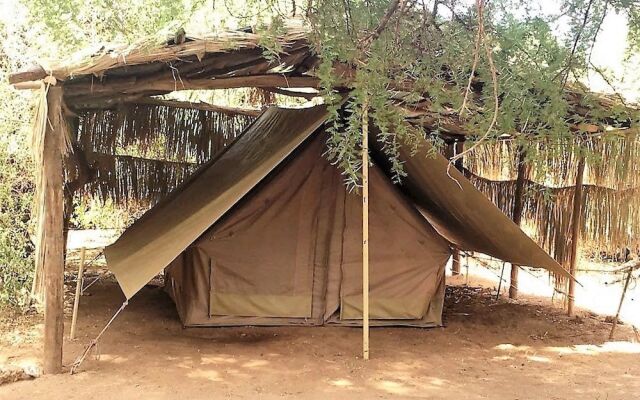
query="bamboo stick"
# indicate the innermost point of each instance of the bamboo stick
(624, 292)
(500, 281)
(449, 153)
(365, 232)
(114, 102)
(575, 234)
(458, 147)
(76, 301)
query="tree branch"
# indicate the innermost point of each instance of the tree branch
(565, 71)
(382, 25)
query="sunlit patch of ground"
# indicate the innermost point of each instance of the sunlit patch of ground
(491, 348)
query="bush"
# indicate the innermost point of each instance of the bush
(16, 182)
(16, 247)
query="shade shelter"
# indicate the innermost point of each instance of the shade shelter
(108, 97)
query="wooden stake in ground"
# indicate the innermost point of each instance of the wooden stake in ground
(518, 202)
(76, 302)
(624, 292)
(575, 233)
(365, 232)
(49, 236)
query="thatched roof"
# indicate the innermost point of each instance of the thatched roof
(233, 59)
(152, 67)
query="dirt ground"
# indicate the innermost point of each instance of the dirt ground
(489, 350)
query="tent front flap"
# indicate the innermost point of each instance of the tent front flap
(154, 241)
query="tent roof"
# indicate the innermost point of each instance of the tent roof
(463, 216)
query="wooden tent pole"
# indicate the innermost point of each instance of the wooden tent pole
(50, 236)
(365, 232)
(76, 301)
(575, 233)
(518, 205)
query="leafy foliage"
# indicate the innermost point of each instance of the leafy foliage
(16, 194)
(16, 248)
(386, 44)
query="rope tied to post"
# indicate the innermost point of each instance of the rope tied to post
(94, 343)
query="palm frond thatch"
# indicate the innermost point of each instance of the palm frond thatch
(140, 152)
(128, 179)
(168, 133)
(611, 218)
(611, 160)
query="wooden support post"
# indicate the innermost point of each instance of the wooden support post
(459, 163)
(518, 205)
(576, 218)
(455, 262)
(500, 281)
(365, 232)
(457, 148)
(50, 237)
(76, 301)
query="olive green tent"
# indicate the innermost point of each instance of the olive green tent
(267, 234)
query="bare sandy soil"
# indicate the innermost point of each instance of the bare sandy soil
(488, 350)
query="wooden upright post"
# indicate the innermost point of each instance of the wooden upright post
(575, 233)
(459, 163)
(50, 236)
(457, 148)
(365, 232)
(518, 205)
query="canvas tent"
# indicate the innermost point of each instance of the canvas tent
(267, 234)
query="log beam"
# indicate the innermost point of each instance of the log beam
(292, 93)
(32, 74)
(50, 235)
(133, 86)
(576, 219)
(199, 106)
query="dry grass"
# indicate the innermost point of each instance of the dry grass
(140, 152)
(156, 49)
